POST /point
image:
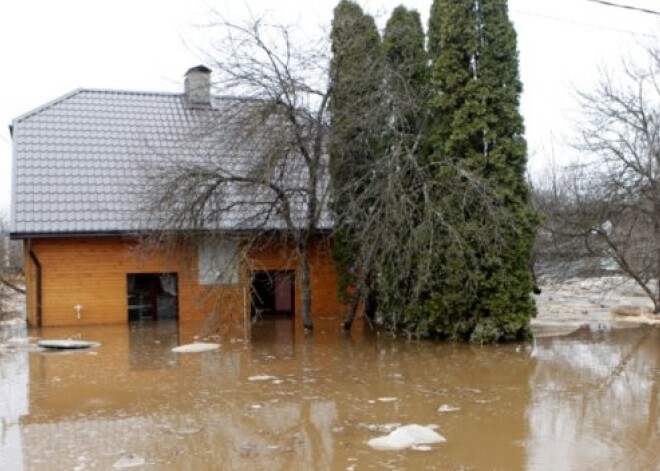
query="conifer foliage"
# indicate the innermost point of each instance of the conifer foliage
(439, 128)
(477, 125)
(356, 75)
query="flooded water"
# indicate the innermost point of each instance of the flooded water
(587, 401)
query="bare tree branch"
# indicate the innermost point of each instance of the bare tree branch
(611, 202)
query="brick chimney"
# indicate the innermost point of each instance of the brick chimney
(197, 87)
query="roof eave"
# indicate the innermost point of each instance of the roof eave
(77, 234)
(53, 235)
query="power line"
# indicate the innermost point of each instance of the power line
(626, 7)
(581, 23)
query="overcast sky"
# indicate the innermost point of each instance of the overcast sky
(49, 48)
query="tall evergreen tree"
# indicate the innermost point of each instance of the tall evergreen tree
(357, 117)
(433, 43)
(405, 99)
(406, 71)
(482, 294)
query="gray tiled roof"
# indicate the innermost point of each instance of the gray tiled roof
(80, 161)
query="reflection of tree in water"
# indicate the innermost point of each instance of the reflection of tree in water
(595, 401)
(14, 396)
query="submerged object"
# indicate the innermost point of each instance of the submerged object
(66, 344)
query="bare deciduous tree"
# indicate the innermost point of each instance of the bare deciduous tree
(610, 201)
(256, 163)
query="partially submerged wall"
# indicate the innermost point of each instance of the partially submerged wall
(92, 272)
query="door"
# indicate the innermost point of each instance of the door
(273, 292)
(152, 296)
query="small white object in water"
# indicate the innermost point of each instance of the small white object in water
(129, 461)
(278, 381)
(421, 448)
(445, 408)
(387, 399)
(483, 401)
(262, 378)
(196, 347)
(406, 436)
(67, 344)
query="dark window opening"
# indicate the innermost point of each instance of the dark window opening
(152, 296)
(273, 294)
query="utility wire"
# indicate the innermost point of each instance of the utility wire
(581, 23)
(626, 7)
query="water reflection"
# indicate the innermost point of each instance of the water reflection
(300, 403)
(13, 399)
(595, 402)
(143, 337)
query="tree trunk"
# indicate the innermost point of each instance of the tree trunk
(305, 288)
(350, 314)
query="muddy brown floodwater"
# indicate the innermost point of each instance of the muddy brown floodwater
(586, 401)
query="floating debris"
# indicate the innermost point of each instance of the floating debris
(483, 401)
(388, 399)
(446, 408)
(131, 460)
(407, 436)
(66, 344)
(196, 347)
(262, 378)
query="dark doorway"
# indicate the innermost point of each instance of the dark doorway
(273, 294)
(152, 296)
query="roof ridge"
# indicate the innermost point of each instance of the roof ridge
(128, 92)
(77, 91)
(46, 105)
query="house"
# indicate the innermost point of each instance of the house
(78, 176)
